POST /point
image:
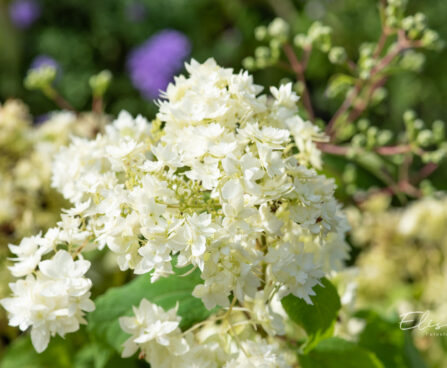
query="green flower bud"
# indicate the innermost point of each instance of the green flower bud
(337, 55)
(408, 23)
(425, 137)
(359, 140)
(298, 87)
(409, 116)
(392, 21)
(40, 78)
(320, 35)
(262, 52)
(431, 40)
(100, 82)
(249, 63)
(419, 124)
(363, 124)
(261, 63)
(275, 44)
(365, 74)
(302, 41)
(412, 60)
(371, 136)
(278, 29)
(261, 33)
(384, 137)
(366, 49)
(372, 131)
(414, 33)
(420, 20)
(379, 95)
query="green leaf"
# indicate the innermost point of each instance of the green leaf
(21, 354)
(97, 355)
(317, 319)
(393, 346)
(166, 292)
(74, 351)
(339, 353)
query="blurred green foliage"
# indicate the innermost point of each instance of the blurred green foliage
(87, 37)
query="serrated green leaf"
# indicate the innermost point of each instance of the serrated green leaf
(339, 353)
(317, 319)
(166, 292)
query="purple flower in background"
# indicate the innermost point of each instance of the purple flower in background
(44, 60)
(153, 64)
(24, 13)
(136, 11)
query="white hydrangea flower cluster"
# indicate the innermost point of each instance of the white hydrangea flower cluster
(224, 180)
(52, 300)
(155, 332)
(162, 343)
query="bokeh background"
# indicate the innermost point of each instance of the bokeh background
(85, 37)
(145, 42)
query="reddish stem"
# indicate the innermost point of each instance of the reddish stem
(299, 68)
(343, 150)
(425, 172)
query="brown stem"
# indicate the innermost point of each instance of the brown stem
(347, 103)
(333, 149)
(404, 170)
(306, 57)
(63, 104)
(393, 150)
(403, 44)
(299, 71)
(401, 187)
(362, 105)
(351, 65)
(343, 108)
(97, 105)
(381, 43)
(425, 172)
(384, 151)
(54, 95)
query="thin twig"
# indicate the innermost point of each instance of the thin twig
(402, 44)
(360, 107)
(425, 172)
(298, 68)
(352, 95)
(62, 103)
(344, 150)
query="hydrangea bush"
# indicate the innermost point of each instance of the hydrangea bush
(228, 187)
